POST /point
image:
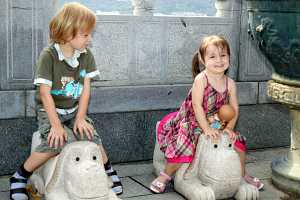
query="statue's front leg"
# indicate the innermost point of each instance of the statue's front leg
(192, 189)
(113, 196)
(189, 185)
(247, 192)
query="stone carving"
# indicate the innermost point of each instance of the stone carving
(284, 93)
(110, 47)
(77, 173)
(148, 54)
(214, 174)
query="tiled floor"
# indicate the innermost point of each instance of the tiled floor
(136, 178)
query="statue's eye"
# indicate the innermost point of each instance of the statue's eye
(77, 159)
(215, 146)
(94, 157)
(229, 145)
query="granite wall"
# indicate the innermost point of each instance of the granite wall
(145, 66)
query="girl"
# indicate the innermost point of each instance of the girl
(63, 75)
(178, 132)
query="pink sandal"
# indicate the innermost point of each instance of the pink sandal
(254, 181)
(159, 186)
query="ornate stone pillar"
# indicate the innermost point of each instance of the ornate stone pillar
(274, 25)
(143, 7)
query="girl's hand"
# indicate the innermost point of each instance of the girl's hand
(83, 127)
(231, 133)
(212, 133)
(57, 137)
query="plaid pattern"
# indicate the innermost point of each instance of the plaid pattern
(177, 132)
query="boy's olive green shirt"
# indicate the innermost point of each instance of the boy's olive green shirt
(66, 82)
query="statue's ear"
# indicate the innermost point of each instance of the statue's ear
(54, 174)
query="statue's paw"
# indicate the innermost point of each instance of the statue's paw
(37, 183)
(206, 193)
(247, 192)
(193, 190)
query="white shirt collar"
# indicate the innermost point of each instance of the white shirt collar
(72, 61)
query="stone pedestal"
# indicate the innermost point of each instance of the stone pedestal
(286, 170)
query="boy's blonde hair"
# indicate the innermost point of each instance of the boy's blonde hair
(70, 19)
(216, 40)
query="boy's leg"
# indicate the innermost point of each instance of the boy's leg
(19, 179)
(117, 185)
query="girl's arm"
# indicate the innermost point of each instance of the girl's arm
(81, 124)
(57, 135)
(233, 101)
(197, 99)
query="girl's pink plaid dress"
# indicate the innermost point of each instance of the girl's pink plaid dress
(177, 132)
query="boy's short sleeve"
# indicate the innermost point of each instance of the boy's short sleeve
(91, 69)
(44, 69)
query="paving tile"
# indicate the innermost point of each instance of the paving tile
(4, 195)
(146, 180)
(165, 196)
(4, 183)
(132, 188)
(134, 169)
(270, 192)
(260, 170)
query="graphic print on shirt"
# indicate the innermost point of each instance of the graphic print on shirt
(70, 87)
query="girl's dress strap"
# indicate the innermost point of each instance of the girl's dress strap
(206, 78)
(226, 82)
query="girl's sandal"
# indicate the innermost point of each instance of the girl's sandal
(254, 181)
(158, 186)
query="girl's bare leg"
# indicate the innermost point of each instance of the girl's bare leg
(242, 155)
(170, 169)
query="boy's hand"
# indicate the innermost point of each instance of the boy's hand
(83, 127)
(57, 137)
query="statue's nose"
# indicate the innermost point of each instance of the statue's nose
(88, 165)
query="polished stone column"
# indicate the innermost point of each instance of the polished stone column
(286, 169)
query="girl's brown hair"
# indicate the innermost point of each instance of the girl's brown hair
(70, 19)
(219, 41)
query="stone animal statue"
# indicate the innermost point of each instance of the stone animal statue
(214, 174)
(77, 173)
